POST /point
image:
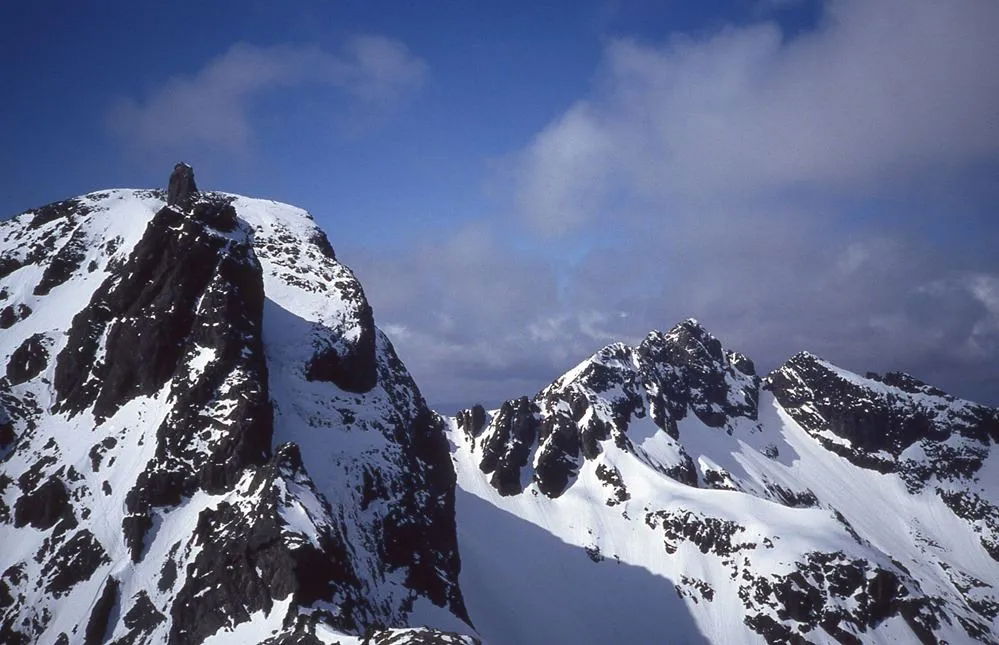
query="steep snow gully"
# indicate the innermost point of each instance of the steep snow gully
(204, 438)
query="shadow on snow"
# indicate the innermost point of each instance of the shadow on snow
(524, 585)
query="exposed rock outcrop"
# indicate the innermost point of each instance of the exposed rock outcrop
(181, 187)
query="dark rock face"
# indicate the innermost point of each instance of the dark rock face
(181, 187)
(135, 525)
(74, 562)
(322, 242)
(571, 430)
(148, 309)
(247, 561)
(65, 263)
(242, 437)
(844, 597)
(506, 449)
(13, 314)
(356, 371)
(97, 452)
(980, 513)
(45, 229)
(473, 420)
(43, 506)
(6, 428)
(156, 314)
(100, 616)
(611, 476)
(11, 579)
(882, 417)
(664, 378)
(559, 454)
(792, 498)
(813, 597)
(142, 617)
(423, 542)
(28, 360)
(848, 410)
(709, 534)
(691, 367)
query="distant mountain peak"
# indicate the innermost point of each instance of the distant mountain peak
(675, 457)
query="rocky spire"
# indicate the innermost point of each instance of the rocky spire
(182, 184)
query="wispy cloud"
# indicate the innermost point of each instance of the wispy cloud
(211, 107)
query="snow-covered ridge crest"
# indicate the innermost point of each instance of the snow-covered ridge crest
(658, 383)
(812, 504)
(891, 422)
(203, 432)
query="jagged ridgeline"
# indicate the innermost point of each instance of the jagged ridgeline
(204, 434)
(205, 438)
(809, 505)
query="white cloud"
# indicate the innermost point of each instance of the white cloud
(567, 172)
(984, 340)
(882, 88)
(210, 108)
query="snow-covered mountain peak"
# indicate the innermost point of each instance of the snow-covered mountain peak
(813, 505)
(203, 433)
(544, 441)
(691, 335)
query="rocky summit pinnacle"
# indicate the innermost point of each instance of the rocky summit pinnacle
(181, 184)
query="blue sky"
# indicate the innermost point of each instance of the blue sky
(519, 183)
(497, 74)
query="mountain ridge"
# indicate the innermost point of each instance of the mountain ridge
(621, 448)
(204, 436)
